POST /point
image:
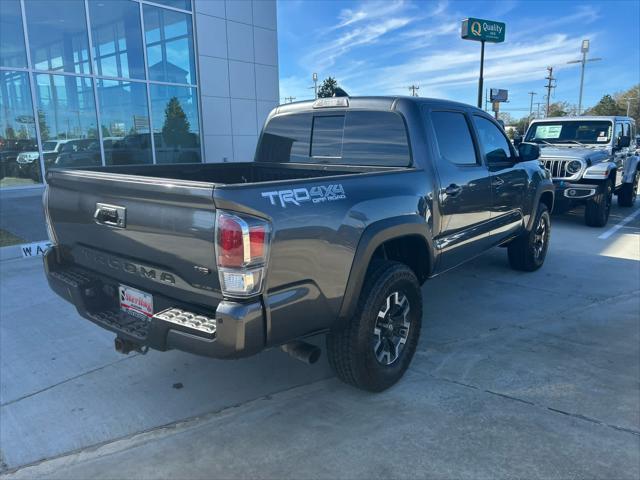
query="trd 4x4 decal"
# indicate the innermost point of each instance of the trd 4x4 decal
(297, 196)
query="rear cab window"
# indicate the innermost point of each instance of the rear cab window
(358, 137)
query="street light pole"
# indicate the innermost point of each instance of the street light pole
(584, 49)
(315, 84)
(481, 74)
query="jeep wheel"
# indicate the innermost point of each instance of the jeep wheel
(597, 211)
(629, 192)
(527, 252)
(375, 348)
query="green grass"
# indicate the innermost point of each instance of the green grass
(8, 238)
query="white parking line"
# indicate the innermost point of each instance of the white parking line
(618, 226)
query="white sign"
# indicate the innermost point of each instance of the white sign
(34, 249)
(548, 131)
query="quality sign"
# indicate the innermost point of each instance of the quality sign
(483, 30)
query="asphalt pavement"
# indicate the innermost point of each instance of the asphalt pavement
(529, 375)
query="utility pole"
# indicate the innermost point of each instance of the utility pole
(538, 111)
(486, 99)
(414, 90)
(531, 105)
(289, 99)
(549, 86)
(584, 49)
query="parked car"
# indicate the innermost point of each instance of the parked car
(28, 163)
(350, 206)
(591, 158)
(10, 150)
(78, 153)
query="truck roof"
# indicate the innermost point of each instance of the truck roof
(374, 103)
(585, 117)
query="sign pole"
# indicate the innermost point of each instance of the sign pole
(481, 74)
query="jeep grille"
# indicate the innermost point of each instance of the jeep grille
(558, 168)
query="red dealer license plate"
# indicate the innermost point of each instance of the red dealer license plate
(136, 303)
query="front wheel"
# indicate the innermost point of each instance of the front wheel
(527, 252)
(596, 213)
(629, 192)
(375, 348)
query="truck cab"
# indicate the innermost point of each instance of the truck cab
(591, 159)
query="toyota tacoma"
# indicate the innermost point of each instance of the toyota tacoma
(349, 206)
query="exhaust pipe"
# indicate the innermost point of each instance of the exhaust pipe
(125, 346)
(303, 351)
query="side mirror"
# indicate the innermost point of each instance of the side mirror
(528, 151)
(624, 141)
(517, 140)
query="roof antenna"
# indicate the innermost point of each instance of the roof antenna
(338, 92)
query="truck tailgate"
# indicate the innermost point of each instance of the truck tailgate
(156, 235)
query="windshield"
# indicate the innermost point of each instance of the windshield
(49, 146)
(585, 132)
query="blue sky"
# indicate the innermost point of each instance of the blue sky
(381, 47)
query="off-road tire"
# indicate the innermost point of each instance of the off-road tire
(350, 350)
(596, 213)
(525, 252)
(629, 192)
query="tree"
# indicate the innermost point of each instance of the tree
(561, 109)
(506, 118)
(175, 130)
(328, 87)
(44, 128)
(606, 106)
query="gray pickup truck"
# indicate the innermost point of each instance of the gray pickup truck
(590, 158)
(350, 205)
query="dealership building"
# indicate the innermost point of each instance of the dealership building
(122, 82)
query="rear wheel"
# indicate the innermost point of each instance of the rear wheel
(597, 211)
(527, 252)
(629, 192)
(375, 348)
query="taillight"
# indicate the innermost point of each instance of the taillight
(242, 247)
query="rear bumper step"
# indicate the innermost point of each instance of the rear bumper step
(233, 330)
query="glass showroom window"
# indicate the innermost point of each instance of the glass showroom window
(183, 4)
(169, 38)
(19, 164)
(12, 53)
(125, 122)
(117, 38)
(176, 129)
(68, 123)
(62, 44)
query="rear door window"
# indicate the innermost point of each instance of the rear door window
(493, 143)
(454, 138)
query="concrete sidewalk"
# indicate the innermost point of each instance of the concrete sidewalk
(517, 375)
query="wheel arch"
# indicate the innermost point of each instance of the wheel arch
(388, 239)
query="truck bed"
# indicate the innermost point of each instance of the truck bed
(235, 173)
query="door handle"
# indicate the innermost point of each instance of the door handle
(453, 190)
(497, 181)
